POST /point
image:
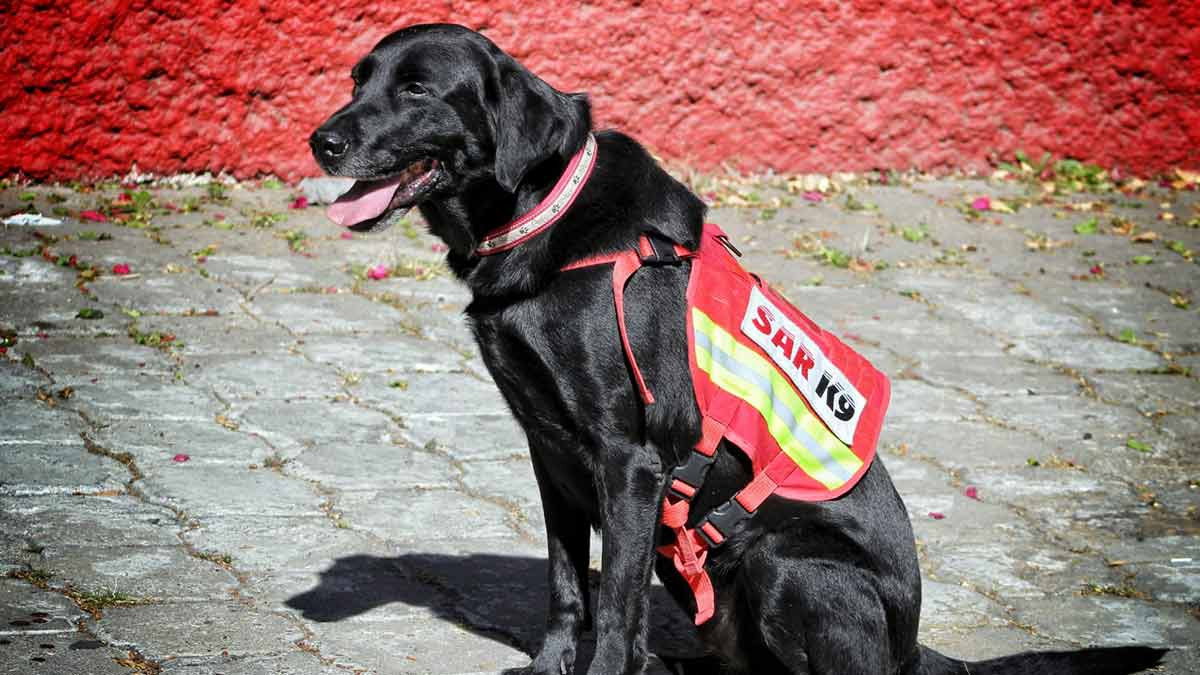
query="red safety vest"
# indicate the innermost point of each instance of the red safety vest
(805, 408)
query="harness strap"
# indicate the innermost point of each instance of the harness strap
(623, 268)
(625, 263)
(711, 433)
(688, 477)
(728, 518)
(691, 567)
(756, 492)
(689, 551)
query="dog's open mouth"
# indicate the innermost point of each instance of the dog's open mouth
(371, 206)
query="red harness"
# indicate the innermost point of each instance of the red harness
(805, 408)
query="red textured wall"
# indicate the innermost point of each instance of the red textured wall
(91, 87)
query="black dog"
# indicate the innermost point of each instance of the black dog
(442, 119)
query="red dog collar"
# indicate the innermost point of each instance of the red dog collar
(549, 210)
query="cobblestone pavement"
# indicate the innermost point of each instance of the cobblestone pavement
(249, 456)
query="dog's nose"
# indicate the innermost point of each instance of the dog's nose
(328, 143)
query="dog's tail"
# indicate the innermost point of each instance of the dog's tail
(1096, 661)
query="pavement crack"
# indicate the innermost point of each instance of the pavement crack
(89, 604)
(135, 474)
(517, 520)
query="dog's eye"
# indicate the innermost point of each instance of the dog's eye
(414, 88)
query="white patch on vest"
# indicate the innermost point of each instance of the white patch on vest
(820, 382)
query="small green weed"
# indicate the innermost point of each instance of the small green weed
(95, 601)
(222, 559)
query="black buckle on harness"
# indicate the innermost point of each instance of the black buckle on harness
(662, 250)
(692, 473)
(727, 519)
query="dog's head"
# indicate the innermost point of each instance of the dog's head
(435, 109)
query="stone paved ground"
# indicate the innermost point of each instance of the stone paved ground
(356, 498)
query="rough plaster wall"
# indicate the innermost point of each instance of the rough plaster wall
(92, 87)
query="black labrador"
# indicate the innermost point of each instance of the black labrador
(443, 120)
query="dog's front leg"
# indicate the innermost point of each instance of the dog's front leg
(630, 485)
(567, 537)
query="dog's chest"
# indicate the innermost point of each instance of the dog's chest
(533, 358)
(530, 376)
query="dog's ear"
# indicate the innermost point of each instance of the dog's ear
(532, 122)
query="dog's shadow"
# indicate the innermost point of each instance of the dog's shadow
(499, 597)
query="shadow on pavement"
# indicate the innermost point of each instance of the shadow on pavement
(499, 597)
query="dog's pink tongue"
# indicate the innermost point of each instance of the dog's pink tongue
(364, 201)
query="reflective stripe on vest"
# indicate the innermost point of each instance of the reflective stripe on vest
(742, 372)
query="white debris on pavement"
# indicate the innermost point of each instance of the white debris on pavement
(31, 220)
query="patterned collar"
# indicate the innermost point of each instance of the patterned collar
(549, 210)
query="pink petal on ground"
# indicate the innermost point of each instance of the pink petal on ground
(347, 235)
(972, 492)
(982, 204)
(813, 196)
(936, 515)
(439, 247)
(300, 203)
(378, 272)
(94, 216)
(120, 269)
(180, 458)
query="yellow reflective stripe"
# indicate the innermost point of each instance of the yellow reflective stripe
(742, 372)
